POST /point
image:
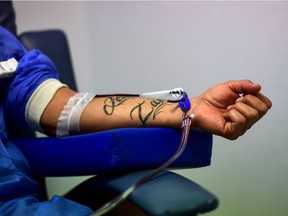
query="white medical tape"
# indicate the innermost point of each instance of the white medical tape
(69, 119)
(39, 100)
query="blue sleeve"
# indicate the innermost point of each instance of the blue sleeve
(34, 68)
(10, 46)
(30, 206)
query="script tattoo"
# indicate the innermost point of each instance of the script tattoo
(156, 108)
(112, 102)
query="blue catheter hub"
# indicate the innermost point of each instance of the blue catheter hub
(184, 104)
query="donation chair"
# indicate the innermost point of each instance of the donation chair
(118, 158)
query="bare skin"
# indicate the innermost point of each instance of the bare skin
(219, 110)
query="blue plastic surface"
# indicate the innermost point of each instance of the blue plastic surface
(114, 150)
(165, 194)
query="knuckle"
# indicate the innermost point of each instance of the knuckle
(254, 114)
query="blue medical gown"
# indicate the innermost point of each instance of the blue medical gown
(19, 192)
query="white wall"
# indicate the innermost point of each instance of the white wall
(146, 46)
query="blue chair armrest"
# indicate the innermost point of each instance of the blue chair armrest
(113, 151)
(165, 194)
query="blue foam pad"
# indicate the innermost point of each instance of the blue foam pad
(165, 194)
(113, 151)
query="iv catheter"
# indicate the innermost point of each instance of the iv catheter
(175, 95)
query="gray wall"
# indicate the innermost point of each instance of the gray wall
(147, 46)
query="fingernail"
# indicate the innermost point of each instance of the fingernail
(229, 107)
(239, 99)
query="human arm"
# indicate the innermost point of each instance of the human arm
(219, 110)
(110, 112)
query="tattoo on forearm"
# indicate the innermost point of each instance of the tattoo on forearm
(112, 102)
(156, 108)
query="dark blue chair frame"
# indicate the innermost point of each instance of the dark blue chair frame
(118, 157)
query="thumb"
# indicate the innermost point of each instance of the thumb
(244, 87)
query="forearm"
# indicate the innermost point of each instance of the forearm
(118, 112)
(220, 110)
(110, 112)
(53, 110)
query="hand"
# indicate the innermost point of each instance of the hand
(230, 109)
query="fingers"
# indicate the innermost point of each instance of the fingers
(246, 111)
(248, 104)
(235, 125)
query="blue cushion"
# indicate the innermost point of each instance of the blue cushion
(114, 150)
(165, 194)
